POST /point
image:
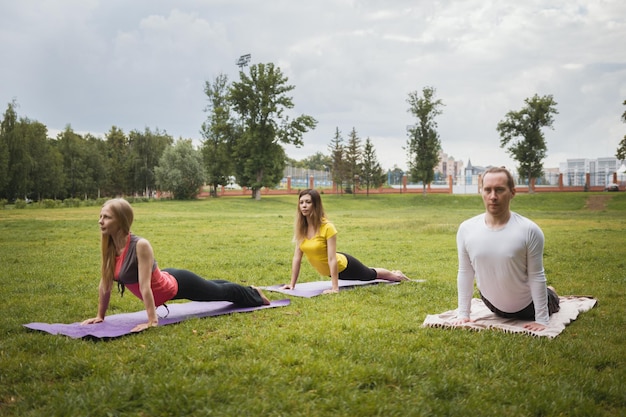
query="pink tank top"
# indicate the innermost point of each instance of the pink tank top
(164, 286)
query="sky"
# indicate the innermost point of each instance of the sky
(94, 64)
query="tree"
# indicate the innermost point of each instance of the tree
(372, 174)
(424, 145)
(337, 150)
(261, 101)
(521, 131)
(180, 170)
(6, 126)
(146, 148)
(118, 161)
(621, 149)
(95, 157)
(218, 132)
(71, 145)
(46, 168)
(15, 148)
(353, 154)
(318, 162)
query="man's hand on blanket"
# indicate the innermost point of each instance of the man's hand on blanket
(535, 327)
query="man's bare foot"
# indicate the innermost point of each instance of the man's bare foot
(266, 301)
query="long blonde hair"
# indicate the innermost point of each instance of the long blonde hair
(123, 215)
(317, 216)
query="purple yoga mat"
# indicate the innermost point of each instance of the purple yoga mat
(121, 324)
(312, 289)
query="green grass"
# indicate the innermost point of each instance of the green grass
(362, 352)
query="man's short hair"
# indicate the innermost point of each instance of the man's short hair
(497, 170)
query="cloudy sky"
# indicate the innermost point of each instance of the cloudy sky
(93, 64)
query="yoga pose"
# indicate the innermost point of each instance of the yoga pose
(316, 238)
(504, 252)
(129, 260)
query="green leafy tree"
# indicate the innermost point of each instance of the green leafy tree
(395, 176)
(521, 132)
(7, 125)
(318, 162)
(15, 148)
(96, 162)
(181, 170)
(118, 162)
(46, 173)
(261, 101)
(72, 147)
(424, 144)
(353, 155)
(372, 174)
(337, 152)
(218, 133)
(146, 148)
(621, 149)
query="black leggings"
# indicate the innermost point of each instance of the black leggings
(527, 313)
(195, 288)
(356, 270)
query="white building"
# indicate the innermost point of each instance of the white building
(600, 171)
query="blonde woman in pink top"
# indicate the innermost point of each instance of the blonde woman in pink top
(129, 260)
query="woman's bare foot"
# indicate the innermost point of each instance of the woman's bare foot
(266, 301)
(401, 276)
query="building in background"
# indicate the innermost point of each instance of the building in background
(447, 167)
(601, 171)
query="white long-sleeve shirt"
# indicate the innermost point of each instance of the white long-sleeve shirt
(507, 264)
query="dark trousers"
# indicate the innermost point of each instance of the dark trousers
(527, 313)
(195, 288)
(356, 270)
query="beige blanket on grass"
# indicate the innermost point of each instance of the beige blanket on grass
(484, 319)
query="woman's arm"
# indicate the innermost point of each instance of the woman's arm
(104, 295)
(145, 260)
(331, 250)
(295, 268)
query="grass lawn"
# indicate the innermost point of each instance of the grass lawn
(362, 352)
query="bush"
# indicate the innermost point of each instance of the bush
(20, 204)
(49, 203)
(71, 202)
(3, 202)
(134, 200)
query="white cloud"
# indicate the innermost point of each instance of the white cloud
(95, 64)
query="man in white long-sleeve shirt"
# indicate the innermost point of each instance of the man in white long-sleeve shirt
(504, 252)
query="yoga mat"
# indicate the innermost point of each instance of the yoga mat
(484, 319)
(315, 288)
(121, 324)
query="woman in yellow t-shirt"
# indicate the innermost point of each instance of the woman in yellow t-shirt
(316, 238)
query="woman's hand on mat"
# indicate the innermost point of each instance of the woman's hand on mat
(287, 287)
(461, 320)
(331, 291)
(92, 321)
(534, 326)
(143, 326)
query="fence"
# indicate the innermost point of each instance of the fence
(297, 179)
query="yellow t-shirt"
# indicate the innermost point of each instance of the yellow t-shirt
(316, 251)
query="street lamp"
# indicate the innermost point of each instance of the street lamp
(243, 61)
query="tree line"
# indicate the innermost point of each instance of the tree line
(247, 124)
